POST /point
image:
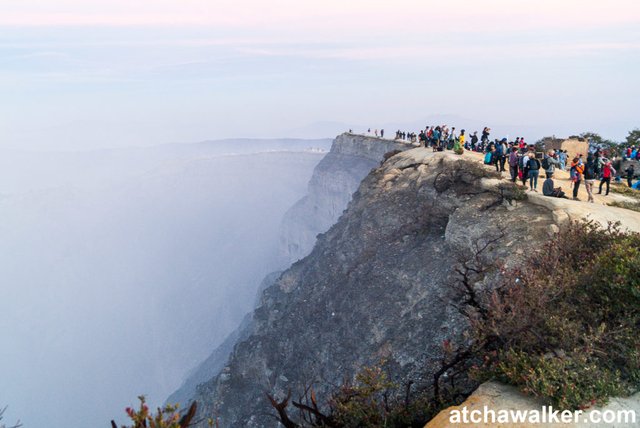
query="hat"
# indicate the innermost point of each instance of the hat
(504, 140)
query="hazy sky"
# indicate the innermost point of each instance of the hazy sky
(98, 73)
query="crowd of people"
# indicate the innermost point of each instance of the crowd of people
(440, 137)
(526, 165)
(631, 153)
(524, 162)
(406, 136)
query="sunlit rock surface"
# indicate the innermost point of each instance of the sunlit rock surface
(500, 397)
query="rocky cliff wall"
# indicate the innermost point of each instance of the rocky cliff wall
(375, 285)
(331, 186)
(334, 181)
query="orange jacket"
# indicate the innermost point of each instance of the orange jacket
(579, 169)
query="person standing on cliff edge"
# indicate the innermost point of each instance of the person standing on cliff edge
(576, 176)
(630, 173)
(382, 133)
(458, 144)
(513, 164)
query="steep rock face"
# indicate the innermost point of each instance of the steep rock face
(374, 286)
(216, 361)
(330, 188)
(334, 181)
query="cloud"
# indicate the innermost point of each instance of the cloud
(442, 51)
(422, 16)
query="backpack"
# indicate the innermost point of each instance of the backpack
(521, 162)
(545, 163)
(534, 164)
(487, 158)
(589, 172)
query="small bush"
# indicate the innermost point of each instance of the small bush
(362, 404)
(569, 383)
(512, 191)
(370, 401)
(480, 170)
(459, 174)
(165, 417)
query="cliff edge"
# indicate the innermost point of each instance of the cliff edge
(332, 184)
(377, 284)
(373, 287)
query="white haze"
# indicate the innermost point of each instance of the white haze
(122, 269)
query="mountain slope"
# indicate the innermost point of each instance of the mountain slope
(373, 287)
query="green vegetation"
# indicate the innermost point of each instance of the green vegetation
(612, 148)
(166, 417)
(623, 189)
(512, 191)
(370, 401)
(562, 327)
(567, 332)
(373, 401)
(633, 139)
(634, 206)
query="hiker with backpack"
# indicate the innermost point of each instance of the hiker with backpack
(607, 173)
(534, 171)
(590, 176)
(488, 157)
(504, 154)
(499, 154)
(549, 163)
(577, 169)
(435, 139)
(474, 140)
(630, 173)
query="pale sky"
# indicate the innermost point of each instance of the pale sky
(96, 73)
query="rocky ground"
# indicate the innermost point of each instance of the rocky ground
(497, 396)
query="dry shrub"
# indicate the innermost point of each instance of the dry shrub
(564, 326)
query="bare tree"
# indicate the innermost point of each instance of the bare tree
(16, 425)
